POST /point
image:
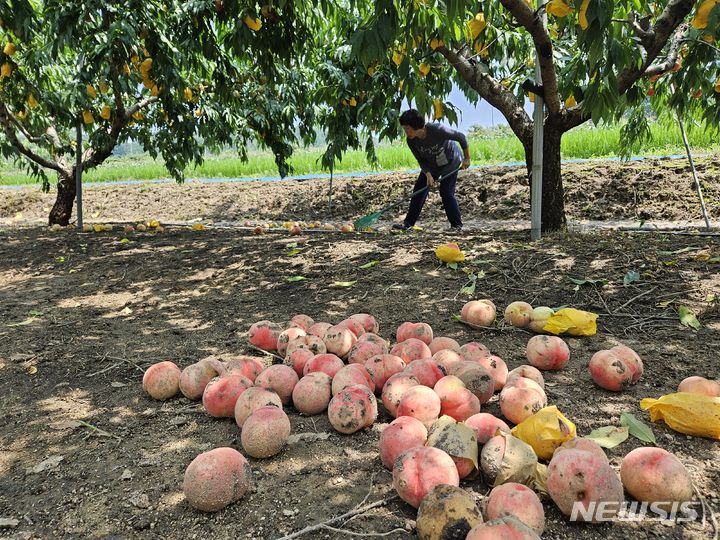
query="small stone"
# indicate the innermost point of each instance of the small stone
(127, 475)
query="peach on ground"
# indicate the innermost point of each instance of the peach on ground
(539, 318)
(298, 358)
(251, 400)
(609, 371)
(652, 474)
(479, 312)
(427, 371)
(368, 322)
(507, 458)
(312, 343)
(700, 385)
(318, 329)
(394, 389)
(518, 404)
(547, 352)
(420, 402)
(447, 512)
(578, 477)
(222, 392)
(580, 443)
(377, 340)
(497, 368)
(529, 372)
(474, 351)
(264, 335)
(477, 379)
(350, 375)
(286, 336)
(518, 314)
(249, 366)
(408, 330)
(195, 378)
(486, 426)
(327, 363)
(524, 382)
(383, 366)
(460, 405)
(162, 380)
(362, 350)
(420, 469)
(339, 340)
(265, 432)
(447, 359)
(632, 360)
(411, 349)
(403, 433)
(353, 325)
(280, 379)
(302, 321)
(513, 499)
(505, 528)
(439, 343)
(352, 409)
(312, 393)
(216, 478)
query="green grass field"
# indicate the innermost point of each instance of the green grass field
(488, 147)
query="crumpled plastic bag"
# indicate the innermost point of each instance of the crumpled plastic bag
(545, 431)
(692, 414)
(572, 321)
(449, 253)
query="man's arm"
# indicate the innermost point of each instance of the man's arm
(454, 135)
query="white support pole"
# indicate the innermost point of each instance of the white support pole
(694, 173)
(78, 174)
(537, 155)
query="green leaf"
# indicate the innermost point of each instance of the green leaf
(453, 265)
(369, 265)
(688, 318)
(637, 428)
(588, 281)
(631, 276)
(27, 321)
(293, 279)
(293, 252)
(35, 313)
(124, 241)
(344, 283)
(482, 261)
(609, 436)
(677, 251)
(60, 259)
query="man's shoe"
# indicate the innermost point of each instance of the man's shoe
(400, 227)
(456, 228)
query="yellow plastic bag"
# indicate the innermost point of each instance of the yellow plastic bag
(545, 431)
(692, 414)
(450, 253)
(572, 321)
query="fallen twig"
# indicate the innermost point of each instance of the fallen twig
(258, 349)
(353, 533)
(636, 297)
(104, 370)
(99, 431)
(128, 361)
(353, 512)
(707, 507)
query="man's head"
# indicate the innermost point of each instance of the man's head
(412, 122)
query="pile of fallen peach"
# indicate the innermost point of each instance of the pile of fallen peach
(428, 384)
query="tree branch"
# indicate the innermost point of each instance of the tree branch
(529, 20)
(673, 15)
(492, 91)
(6, 119)
(673, 52)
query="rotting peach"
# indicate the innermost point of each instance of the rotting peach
(403, 433)
(327, 363)
(477, 379)
(383, 366)
(479, 312)
(580, 443)
(700, 385)
(609, 371)
(265, 432)
(353, 325)
(506, 528)
(418, 470)
(528, 372)
(474, 351)
(420, 402)
(298, 358)
(497, 368)
(513, 499)
(350, 375)
(195, 378)
(251, 400)
(312, 393)
(654, 475)
(264, 335)
(411, 349)
(547, 352)
(286, 336)
(302, 321)
(517, 403)
(518, 314)
(377, 340)
(632, 360)
(280, 379)
(162, 380)
(447, 359)
(352, 409)
(339, 340)
(367, 321)
(539, 318)
(486, 426)
(249, 366)
(394, 389)
(318, 329)
(222, 392)
(361, 351)
(217, 478)
(439, 343)
(426, 370)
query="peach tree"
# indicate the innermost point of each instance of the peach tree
(177, 76)
(598, 60)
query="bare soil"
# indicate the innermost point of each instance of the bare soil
(85, 454)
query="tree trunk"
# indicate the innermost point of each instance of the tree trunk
(62, 209)
(553, 203)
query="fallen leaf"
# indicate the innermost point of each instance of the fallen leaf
(9, 523)
(49, 463)
(630, 277)
(126, 311)
(688, 318)
(95, 214)
(294, 252)
(369, 265)
(453, 265)
(664, 304)
(117, 384)
(27, 321)
(35, 313)
(124, 241)
(32, 370)
(293, 279)
(344, 283)
(609, 436)
(60, 259)
(637, 428)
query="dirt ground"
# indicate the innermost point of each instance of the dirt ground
(85, 454)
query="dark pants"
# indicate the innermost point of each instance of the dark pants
(447, 193)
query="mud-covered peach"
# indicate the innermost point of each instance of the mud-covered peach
(312, 393)
(395, 388)
(251, 400)
(497, 368)
(411, 349)
(265, 432)
(651, 474)
(195, 378)
(327, 363)
(280, 379)
(216, 478)
(421, 403)
(547, 352)
(350, 375)
(609, 371)
(162, 380)
(383, 366)
(403, 433)
(352, 409)
(427, 371)
(439, 343)
(513, 499)
(368, 322)
(264, 335)
(222, 392)
(479, 312)
(518, 314)
(420, 469)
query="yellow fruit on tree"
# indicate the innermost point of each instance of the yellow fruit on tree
(198, 112)
(252, 24)
(424, 69)
(88, 117)
(558, 8)
(709, 39)
(135, 59)
(371, 71)
(146, 66)
(397, 58)
(188, 94)
(31, 101)
(148, 83)
(505, 83)
(700, 21)
(9, 49)
(126, 69)
(530, 62)
(582, 16)
(137, 115)
(103, 88)
(105, 112)
(717, 85)
(21, 115)
(402, 84)
(531, 97)
(570, 102)
(476, 25)
(437, 109)
(154, 91)
(90, 89)
(352, 102)
(5, 70)
(435, 43)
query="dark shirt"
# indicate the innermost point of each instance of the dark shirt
(437, 152)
